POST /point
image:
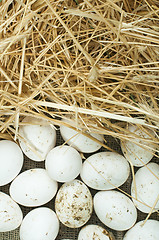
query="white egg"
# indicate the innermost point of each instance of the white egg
(115, 210)
(10, 213)
(73, 204)
(79, 141)
(94, 232)
(148, 231)
(11, 161)
(33, 188)
(39, 224)
(138, 156)
(147, 187)
(37, 138)
(63, 163)
(105, 170)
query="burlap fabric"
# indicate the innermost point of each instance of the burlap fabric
(64, 231)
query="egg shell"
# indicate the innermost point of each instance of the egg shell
(147, 187)
(115, 210)
(73, 204)
(94, 232)
(11, 161)
(105, 170)
(63, 163)
(10, 213)
(138, 156)
(37, 138)
(79, 141)
(39, 224)
(33, 188)
(148, 231)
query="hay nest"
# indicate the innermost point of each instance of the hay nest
(94, 61)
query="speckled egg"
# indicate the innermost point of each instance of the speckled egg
(115, 210)
(10, 213)
(94, 232)
(33, 188)
(105, 170)
(73, 204)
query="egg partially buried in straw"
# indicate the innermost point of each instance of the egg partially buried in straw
(73, 204)
(79, 141)
(136, 154)
(37, 138)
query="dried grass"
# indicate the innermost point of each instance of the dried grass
(94, 61)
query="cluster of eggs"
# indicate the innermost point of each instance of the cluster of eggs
(103, 171)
